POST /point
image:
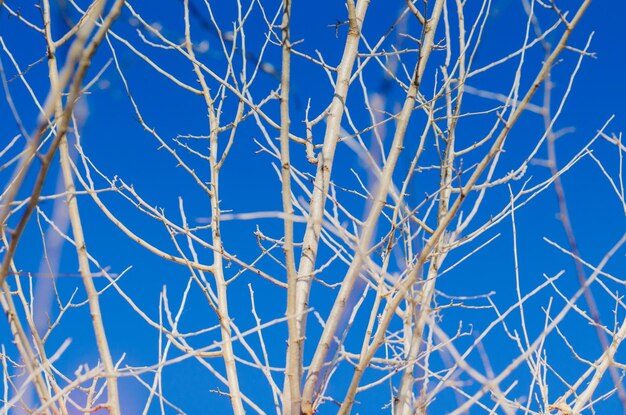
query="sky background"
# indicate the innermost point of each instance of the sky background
(119, 146)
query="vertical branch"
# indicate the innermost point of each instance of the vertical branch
(218, 267)
(404, 403)
(293, 371)
(445, 185)
(63, 116)
(90, 288)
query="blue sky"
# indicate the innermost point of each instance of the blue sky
(119, 146)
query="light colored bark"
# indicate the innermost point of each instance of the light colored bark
(367, 232)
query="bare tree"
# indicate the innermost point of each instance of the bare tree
(301, 208)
